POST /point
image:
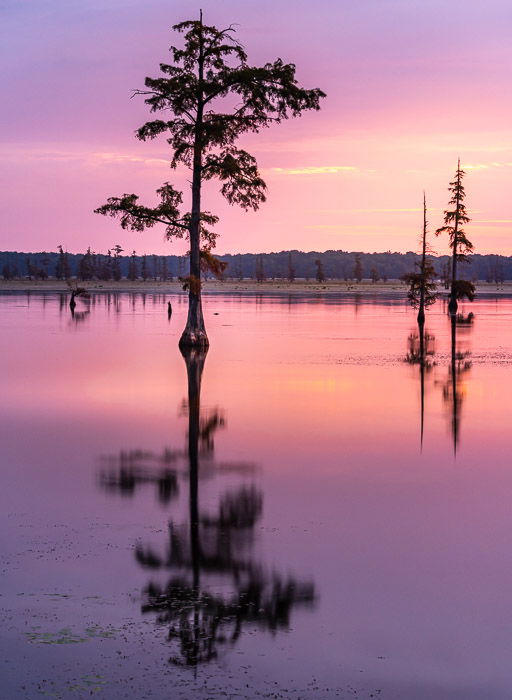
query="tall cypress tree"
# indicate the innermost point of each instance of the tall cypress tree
(209, 96)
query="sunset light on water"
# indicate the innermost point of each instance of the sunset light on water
(255, 331)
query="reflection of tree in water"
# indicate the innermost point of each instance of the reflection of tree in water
(215, 587)
(420, 349)
(135, 467)
(420, 352)
(454, 388)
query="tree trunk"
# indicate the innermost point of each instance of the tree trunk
(194, 335)
(421, 311)
(452, 306)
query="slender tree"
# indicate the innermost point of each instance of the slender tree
(106, 267)
(133, 273)
(238, 271)
(461, 246)
(291, 269)
(260, 269)
(59, 267)
(85, 266)
(358, 269)
(116, 263)
(210, 96)
(446, 275)
(320, 276)
(422, 287)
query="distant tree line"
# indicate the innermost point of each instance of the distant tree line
(285, 265)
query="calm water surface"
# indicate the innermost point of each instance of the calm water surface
(262, 521)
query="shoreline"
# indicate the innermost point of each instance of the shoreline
(278, 287)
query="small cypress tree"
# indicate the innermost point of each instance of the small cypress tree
(422, 287)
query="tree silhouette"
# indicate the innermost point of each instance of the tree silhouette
(320, 276)
(291, 269)
(358, 269)
(133, 273)
(86, 266)
(210, 96)
(454, 219)
(62, 269)
(260, 270)
(116, 262)
(76, 291)
(422, 287)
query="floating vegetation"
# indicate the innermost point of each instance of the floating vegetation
(66, 636)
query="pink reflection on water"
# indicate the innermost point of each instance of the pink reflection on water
(408, 550)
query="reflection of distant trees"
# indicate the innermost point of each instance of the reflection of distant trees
(216, 587)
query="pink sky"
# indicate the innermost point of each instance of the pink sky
(411, 86)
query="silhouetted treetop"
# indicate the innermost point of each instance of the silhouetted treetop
(211, 66)
(455, 217)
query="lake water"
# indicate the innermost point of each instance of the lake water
(306, 512)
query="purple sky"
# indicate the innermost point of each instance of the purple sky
(411, 86)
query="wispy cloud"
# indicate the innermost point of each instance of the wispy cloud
(492, 222)
(385, 211)
(84, 156)
(317, 170)
(486, 166)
